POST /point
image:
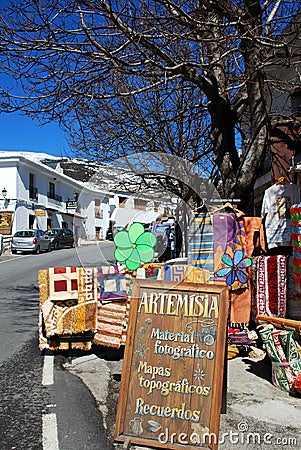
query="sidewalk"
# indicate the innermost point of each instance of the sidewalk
(259, 415)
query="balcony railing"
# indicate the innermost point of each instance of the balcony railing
(33, 193)
(55, 197)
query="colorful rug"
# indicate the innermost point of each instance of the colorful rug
(113, 306)
(63, 283)
(293, 293)
(112, 283)
(271, 285)
(200, 242)
(68, 305)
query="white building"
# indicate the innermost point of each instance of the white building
(36, 193)
(39, 196)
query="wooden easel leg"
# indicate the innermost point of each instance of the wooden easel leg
(126, 444)
(225, 381)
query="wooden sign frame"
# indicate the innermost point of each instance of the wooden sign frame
(173, 369)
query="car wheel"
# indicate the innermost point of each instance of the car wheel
(38, 250)
(14, 252)
(56, 246)
(49, 248)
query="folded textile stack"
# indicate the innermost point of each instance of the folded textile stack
(283, 351)
(113, 306)
(242, 341)
(240, 338)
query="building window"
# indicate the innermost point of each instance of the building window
(98, 233)
(33, 191)
(140, 204)
(97, 208)
(51, 193)
(122, 202)
(31, 221)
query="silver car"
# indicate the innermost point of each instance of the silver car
(30, 241)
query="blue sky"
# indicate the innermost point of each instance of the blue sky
(22, 133)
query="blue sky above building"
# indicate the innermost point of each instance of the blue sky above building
(22, 133)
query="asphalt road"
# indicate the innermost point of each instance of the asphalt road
(24, 402)
(19, 291)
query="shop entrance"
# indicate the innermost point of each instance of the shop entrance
(31, 221)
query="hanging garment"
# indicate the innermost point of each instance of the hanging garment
(231, 260)
(271, 285)
(254, 236)
(200, 242)
(275, 210)
(231, 263)
(241, 299)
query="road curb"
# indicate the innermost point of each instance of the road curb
(95, 374)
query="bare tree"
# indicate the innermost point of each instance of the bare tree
(191, 78)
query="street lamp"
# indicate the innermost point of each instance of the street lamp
(6, 200)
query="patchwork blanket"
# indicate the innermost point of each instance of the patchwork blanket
(68, 304)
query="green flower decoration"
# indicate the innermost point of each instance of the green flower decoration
(134, 246)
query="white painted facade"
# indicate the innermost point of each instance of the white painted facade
(38, 196)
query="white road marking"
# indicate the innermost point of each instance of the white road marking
(50, 438)
(13, 259)
(47, 378)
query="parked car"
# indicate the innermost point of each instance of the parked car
(60, 237)
(111, 232)
(30, 241)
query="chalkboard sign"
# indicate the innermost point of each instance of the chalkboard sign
(172, 375)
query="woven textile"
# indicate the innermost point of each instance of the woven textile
(113, 306)
(293, 293)
(63, 283)
(296, 244)
(200, 242)
(112, 283)
(230, 243)
(271, 285)
(64, 313)
(173, 273)
(254, 236)
(240, 307)
(184, 272)
(283, 353)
